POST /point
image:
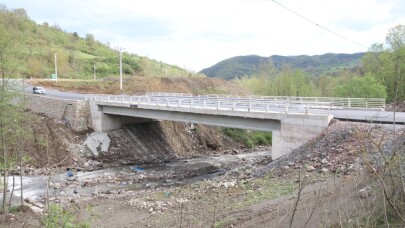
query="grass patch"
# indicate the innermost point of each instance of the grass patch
(263, 189)
(58, 216)
(249, 138)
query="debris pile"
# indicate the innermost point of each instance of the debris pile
(338, 149)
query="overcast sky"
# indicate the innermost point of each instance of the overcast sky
(196, 34)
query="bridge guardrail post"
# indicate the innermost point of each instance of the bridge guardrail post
(233, 105)
(148, 100)
(191, 102)
(349, 103)
(205, 103)
(267, 107)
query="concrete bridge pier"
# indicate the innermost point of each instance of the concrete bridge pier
(295, 131)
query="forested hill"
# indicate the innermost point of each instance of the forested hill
(316, 65)
(34, 47)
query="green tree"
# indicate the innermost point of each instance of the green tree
(386, 64)
(365, 87)
(396, 42)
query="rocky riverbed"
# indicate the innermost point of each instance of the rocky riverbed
(235, 189)
(108, 182)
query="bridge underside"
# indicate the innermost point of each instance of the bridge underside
(198, 118)
(288, 131)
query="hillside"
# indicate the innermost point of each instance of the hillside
(141, 85)
(35, 46)
(316, 65)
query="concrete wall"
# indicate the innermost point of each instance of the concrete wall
(75, 113)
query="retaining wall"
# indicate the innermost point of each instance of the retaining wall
(74, 113)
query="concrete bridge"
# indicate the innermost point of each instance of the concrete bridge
(291, 124)
(293, 120)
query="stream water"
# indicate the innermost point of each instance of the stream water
(112, 180)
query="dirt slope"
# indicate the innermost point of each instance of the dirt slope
(164, 141)
(141, 85)
(52, 143)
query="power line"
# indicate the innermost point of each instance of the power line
(317, 24)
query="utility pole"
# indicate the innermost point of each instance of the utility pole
(94, 71)
(56, 68)
(121, 70)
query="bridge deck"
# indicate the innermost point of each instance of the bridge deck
(358, 109)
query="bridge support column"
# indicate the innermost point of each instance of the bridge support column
(295, 131)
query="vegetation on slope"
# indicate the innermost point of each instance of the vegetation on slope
(249, 138)
(77, 57)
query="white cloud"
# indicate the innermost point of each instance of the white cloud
(198, 33)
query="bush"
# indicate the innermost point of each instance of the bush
(61, 217)
(249, 138)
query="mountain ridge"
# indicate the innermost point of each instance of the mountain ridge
(315, 65)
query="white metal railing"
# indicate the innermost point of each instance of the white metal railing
(252, 104)
(336, 102)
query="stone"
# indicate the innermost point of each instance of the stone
(35, 209)
(95, 192)
(30, 200)
(364, 193)
(324, 161)
(39, 205)
(228, 184)
(98, 142)
(75, 191)
(310, 168)
(325, 170)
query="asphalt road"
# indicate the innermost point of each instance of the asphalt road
(344, 114)
(59, 94)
